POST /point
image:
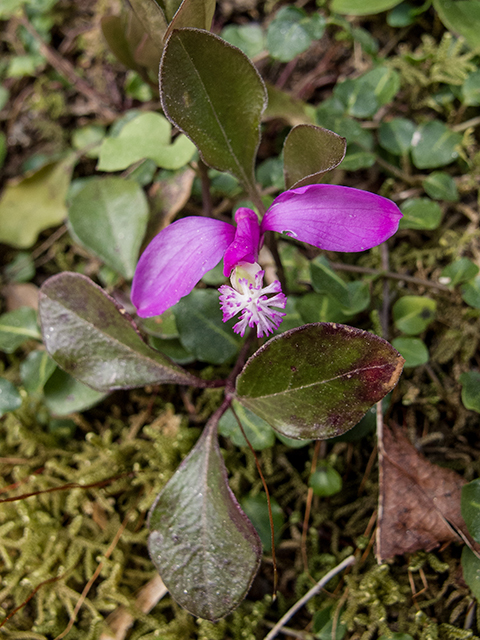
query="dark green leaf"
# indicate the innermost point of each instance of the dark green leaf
(93, 339)
(420, 213)
(212, 92)
(324, 623)
(325, 280)
(470, 381)
(413, 350)
(284, 106)
(317, 381)
(201, 329)
(259, 433)
(21, 268)
(309, 152)
(325, 481)
(256, 509)
(396, 135)
(10, 399)
(356, 8)
(434, 145)
(109, 217)
(413, 314)
(64, 395)
(459, 271)
(152, 18)
(441, 186)
(462, 17)
(470, 505)
(197, 14)
(471, 292)
(471, 571)
(471, 90)
(201, 542)
(35, 370)
(16, 327)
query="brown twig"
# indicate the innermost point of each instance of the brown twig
(389, 274)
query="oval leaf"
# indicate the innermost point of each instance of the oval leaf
(317, 381)
(462, 17)
(93, 339)
(212, 92)
(309, 152)
(193, 13)
(109, 217)
(203, 545)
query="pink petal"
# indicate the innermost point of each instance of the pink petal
(245, 245)
(333, 218)
(175, 260)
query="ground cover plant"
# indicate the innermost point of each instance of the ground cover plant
(154, 240)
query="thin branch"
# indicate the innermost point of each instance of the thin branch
(389, 274)
(308, 596)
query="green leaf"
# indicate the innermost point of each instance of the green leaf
(383, 82)
(201, 329)
(325, 280)
(462, 17)
(16, 327)
(259, 433)
(309, 152)
(413, 350)
(317, 381)
(441, 186)
(470, 91)
(396, 635)
(470, 505)
(325, 481)
(146, 136)
(256, 509)
(459, 271)
(470, 381)
(434, 145)
(3, 148)
(413, 314)
(357, 97)
(64, 395)
(212, 92)
(284, 106)
(471, 571)
(21, 268)
(197, 14)
(109, 218)
(324, 623)
(10, 399)
(151, 17)
(34, 203)
(201, 542)
(420, 213)
(291, 32)
(356, 158)
(35, 370)
(92, 338)
(396, 135)
(471, 292)
(249, 38)
(356, 8)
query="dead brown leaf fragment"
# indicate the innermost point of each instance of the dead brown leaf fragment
(419, 503)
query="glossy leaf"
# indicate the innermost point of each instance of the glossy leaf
(413, 314)
(325, 481)
(10, 399)
(471, 571)
(396, 135)
(256, 509)
(413, 350)
(109, 217)
(356, 8)
(204, 547)
(317, 381)
(146, 136)
(34, 203)
(434, 145)
(470, 381)
(471, 508)
(420, 213)
(462, 17)
(201, 329)
(16, 327)
(259, 433)
(309, 152)
(441, 186)
(213, 93)
(459, 271)
(93, 339)
(64, 395)
(35, 370)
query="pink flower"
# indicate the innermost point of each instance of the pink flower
(329, 217)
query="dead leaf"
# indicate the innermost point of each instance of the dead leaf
(419, 504)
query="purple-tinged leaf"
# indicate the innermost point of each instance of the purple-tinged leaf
(93, 339)
(318, 380)
(309, 152)
(152, 18)
(197, 14)
(213, 93)
(203, 545)
(333, 218)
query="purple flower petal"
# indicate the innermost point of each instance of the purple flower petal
(175, 260)
(245, 245)
(333, 218)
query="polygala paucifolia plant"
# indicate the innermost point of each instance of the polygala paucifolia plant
(312, 382)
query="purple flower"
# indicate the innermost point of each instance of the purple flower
(329, 217)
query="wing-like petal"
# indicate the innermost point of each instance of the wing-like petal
(333, 218)
(175, 260)
(245, 245)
